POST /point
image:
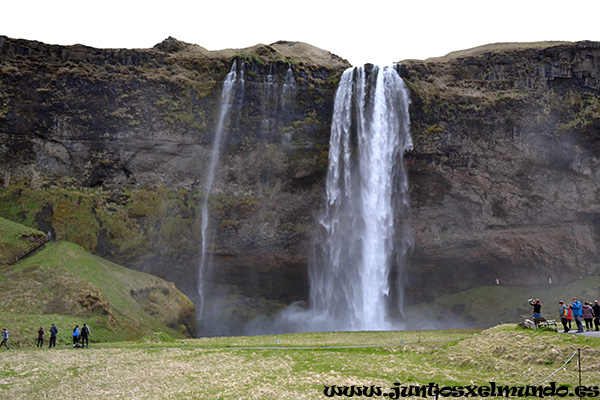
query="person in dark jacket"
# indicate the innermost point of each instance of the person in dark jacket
(40, 341)
(596, 308)
(537, 310)
(85, 332)
(53, 333)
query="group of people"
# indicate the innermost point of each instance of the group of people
(53, 333)
(78, 335)
(588, 312)
(82, 335)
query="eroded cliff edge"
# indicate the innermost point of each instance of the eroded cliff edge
(108, 148)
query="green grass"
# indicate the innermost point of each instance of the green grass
(64, 284)
(12, 239)
(237, 367)
(128, 218)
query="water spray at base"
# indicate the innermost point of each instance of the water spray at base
(366, 222)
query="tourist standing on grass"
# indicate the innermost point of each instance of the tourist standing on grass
(588, 315)
(40, 341)
(563, 311)
(577, 314)
(4, 338)
(85, 332)
(596, 308)
(53, 333)
(75, 335)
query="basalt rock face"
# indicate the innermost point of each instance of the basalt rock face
(110, 150)
(505, 175)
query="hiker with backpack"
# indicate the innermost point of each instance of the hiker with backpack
(565, 312)
(85, 332)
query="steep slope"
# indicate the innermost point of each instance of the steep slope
(62, 283)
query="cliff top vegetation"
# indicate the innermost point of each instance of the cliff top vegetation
(279, 51)
(497, 48)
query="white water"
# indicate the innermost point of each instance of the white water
(270, 101)
(225, 108)
(289, 86)
(365, 222)
(276, 100)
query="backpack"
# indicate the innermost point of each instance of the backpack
(568, 313)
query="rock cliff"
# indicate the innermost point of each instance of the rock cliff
(108, 148)
(504, 175)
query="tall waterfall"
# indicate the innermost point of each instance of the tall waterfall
(365, 221)
(225, 108)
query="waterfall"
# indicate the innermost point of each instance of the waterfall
(225, 108)
(270, 101)
(289, 86)
(366, 212)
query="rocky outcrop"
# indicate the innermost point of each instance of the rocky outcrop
(504, 175)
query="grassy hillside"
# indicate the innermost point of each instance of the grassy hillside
(14, 238)
(300, 366)
(65, 285)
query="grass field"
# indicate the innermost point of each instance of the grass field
(296, 366)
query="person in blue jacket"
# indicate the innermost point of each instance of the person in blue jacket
(577, 314)
(76, 336)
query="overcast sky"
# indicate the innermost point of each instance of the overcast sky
(376, 31)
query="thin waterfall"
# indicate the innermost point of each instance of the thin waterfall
(270, 101)
(289, 86)
(225, 108)
(367, 203)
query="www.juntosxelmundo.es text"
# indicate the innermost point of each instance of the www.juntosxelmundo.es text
(433, 390)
